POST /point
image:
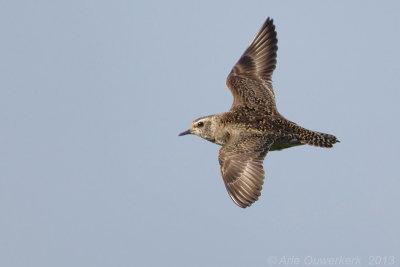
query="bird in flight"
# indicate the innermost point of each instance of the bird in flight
(253, 126)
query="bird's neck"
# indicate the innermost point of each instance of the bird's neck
(218, 131)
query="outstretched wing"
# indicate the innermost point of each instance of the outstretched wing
(250, 79)
(241, 164)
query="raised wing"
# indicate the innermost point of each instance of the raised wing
(241, 165)
(250, 79)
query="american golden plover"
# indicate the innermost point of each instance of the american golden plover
(253, 126)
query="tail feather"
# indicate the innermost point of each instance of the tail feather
(318, 139)
(301, 136)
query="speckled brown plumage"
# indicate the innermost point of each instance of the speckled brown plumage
(253, 125)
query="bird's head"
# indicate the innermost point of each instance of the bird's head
(203, 127)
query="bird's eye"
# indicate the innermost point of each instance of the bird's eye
(200, 124)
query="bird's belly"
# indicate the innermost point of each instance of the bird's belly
(283, 143)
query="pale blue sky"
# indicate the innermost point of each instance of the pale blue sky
(94, 93)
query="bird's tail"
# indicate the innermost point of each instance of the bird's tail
(317, 139)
